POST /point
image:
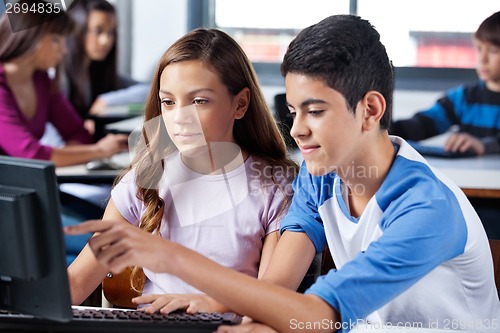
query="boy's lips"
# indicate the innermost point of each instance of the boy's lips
(307, 149)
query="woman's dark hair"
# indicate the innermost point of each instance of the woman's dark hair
(102, 76)
(20, 33)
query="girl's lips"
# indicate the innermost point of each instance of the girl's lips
(184, 137)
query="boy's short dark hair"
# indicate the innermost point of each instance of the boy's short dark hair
(345, 51)
(489, 30)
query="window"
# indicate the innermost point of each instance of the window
(424, 33)
(427, 40)
(264, 28)
(428, 33)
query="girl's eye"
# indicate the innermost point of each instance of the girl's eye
(291, 115)
(200, 101)
(167, 102)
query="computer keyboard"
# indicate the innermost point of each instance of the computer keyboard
(104, 320)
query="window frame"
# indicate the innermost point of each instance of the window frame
(201, 13)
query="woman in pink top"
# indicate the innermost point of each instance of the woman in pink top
(29, 98)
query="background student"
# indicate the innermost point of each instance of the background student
(222, 191)
(474, 108)
(407, 245)
(29, 98)
(91, 64)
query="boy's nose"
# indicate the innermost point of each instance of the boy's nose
(298, 127)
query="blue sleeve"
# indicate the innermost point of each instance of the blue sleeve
(443, 112)
(415, 240)
(433, 121)
(303, 215)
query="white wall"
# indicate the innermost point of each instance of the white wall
(408, 102)
(156, 25)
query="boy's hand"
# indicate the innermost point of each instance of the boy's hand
(462, 142)
(167, 303)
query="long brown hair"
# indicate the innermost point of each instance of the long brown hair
(21, 32)
(257, 132)
(101, 76)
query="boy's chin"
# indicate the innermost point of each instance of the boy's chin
(318, 169)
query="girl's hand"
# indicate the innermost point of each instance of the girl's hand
(462, 142)
(167, 303)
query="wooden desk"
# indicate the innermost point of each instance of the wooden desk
(478, 177)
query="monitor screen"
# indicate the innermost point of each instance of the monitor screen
(33, 277)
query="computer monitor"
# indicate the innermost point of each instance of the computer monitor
(33, 277)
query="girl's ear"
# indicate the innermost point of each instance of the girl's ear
(242, 103)
(373, 108)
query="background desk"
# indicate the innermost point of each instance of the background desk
(80, 173)
(125, 126)
(112, 115)
(478, 177)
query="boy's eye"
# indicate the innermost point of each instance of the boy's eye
(291, 115)
(315, 112)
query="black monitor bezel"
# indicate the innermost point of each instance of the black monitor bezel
(49, 296)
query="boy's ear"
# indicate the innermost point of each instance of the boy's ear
(373, 108)
(243, 101)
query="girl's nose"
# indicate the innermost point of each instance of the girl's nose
(185, 115)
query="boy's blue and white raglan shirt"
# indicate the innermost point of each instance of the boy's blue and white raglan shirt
(418, 255)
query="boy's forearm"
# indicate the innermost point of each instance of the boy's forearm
(265, 302)
(416, 128)
(291, 259)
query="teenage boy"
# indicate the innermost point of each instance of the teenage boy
(408, 247)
